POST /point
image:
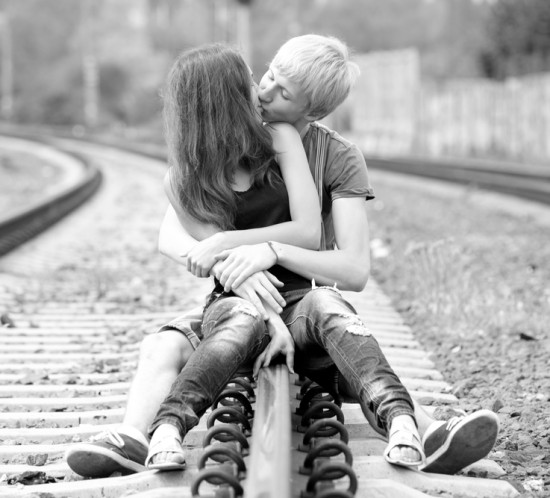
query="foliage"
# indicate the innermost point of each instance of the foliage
(448, 33)
(130, 43)
(519, 34)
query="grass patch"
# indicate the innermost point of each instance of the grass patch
(455, 267)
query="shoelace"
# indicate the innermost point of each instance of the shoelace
(113, 437)
(452, 422)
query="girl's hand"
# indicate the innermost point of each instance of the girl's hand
(201, 258)
(241, 262)
(281, 343)
(262, 286)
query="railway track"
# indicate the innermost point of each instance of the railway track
(82, 179)
(76, 302)
(531, 182)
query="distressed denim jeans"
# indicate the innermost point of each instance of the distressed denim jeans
(333, 348)
(336, 350)
(234, 334)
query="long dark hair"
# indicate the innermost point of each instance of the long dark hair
(211, 127)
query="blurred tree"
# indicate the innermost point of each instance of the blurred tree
(175, 25)
(134, 42)
(41, 38)
(448, 33)
(519, 39)
(114, 82)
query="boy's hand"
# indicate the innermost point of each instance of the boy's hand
(262, 286)
(201, 258)
(239, 263)
(281, 343)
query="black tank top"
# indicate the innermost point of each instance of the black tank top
(264, 206)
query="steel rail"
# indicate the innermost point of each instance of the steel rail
(520, 180)
(268, 474)
(25, 224)
(20, 429)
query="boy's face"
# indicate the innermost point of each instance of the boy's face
(254, 94)
(282, 100)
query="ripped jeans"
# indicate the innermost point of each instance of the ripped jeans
(234, 334)
(333, 348)
(336, 350)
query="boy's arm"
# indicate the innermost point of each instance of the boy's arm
(347, 267)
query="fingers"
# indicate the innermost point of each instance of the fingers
(237, 278)
(258, 288)
(192, 266)
(269, 299)
(253, 298)
(232, 273)
(222, 255)
(268, 355)
(273, 279)
(229, 270)
(196, 269)
(235, 271)
(253, 290)
(258, 364)
(274, 295)
(290, 360)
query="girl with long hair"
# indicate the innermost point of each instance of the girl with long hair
(230, 174)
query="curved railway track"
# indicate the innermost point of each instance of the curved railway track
(83, 181)
(78, 299)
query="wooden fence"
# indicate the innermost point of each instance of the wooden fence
(394, 111)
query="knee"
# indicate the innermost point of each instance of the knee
(235, 314)
(328, 308)
(170, 349)
(234, 308)
(325, 300)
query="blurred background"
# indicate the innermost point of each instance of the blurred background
(439, 77)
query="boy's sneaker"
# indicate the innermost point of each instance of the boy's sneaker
(106, 453)
(460, 441)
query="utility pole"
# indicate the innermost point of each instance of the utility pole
(90, 70)
(6, 105)
(243, 29)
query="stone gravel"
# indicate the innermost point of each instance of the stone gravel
(469, 272)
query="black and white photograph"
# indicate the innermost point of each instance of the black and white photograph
(171, 328)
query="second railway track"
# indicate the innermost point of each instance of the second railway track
(78, 299)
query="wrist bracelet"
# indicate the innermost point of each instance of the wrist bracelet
(270, 244)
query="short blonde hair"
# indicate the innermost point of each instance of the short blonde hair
(321, 66)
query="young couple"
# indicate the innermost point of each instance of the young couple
(244, 208)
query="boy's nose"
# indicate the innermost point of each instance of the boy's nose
(265, 93)
(264, 98)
